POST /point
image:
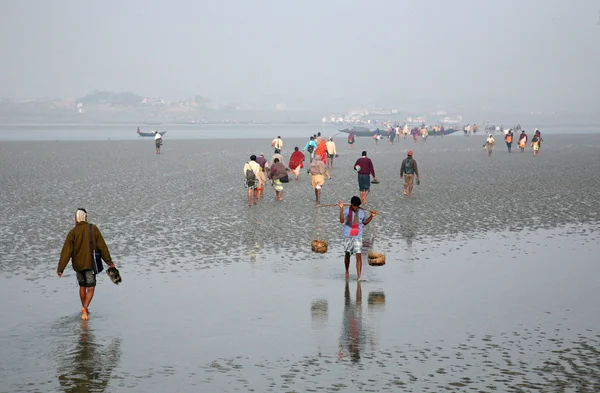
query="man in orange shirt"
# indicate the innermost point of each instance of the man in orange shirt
(509, 140)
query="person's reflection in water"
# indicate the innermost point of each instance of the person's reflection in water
(252, 245)
(89, 366)
(409, 235)
(352, 330)
(376, 309)
(319, 313)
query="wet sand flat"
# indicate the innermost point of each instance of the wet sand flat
(489, 282)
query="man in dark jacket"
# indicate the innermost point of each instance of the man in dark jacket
(408, 170)
(77, 249)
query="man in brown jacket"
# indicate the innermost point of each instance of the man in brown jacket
(77, 248)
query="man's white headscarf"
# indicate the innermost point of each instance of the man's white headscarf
(80, 216)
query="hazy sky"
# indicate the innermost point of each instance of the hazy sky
(535, 54)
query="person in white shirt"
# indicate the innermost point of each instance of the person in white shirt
(331, 152)
(489, 144)
(157, 141)
(277, 143)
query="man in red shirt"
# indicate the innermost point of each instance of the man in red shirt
(364, 167)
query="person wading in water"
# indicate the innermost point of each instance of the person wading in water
(78, 249)
(354, 221)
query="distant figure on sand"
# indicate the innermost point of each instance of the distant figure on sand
(331, 152)
(350, 140)
(508, 138)
(78, 249)
(296, 162)
(377, 135)
(354, 221)
(535, 143)
(489, 144)
(415, 134)
(540, 140)
(408, 170)
(364, 167)
(318, 171)
(158, 141)
(277, 143)
(251, 180)
(522, 141)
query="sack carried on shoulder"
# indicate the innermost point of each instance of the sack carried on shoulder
(96, 256)
(250, 177)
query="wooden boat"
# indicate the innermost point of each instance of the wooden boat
(150, 133)
(365, 131)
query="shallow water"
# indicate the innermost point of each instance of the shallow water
(490, 282)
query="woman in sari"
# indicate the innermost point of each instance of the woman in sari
(322, 150)
(296, 162)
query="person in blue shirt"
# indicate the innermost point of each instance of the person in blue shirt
(354, 221)
(311, 147)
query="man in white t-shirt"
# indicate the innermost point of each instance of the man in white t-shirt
(277, 143)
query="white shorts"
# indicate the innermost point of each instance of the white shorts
(353, 245)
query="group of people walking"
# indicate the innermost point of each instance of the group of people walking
(536, 141)
(257, 171)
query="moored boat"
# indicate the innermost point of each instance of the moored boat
(365, 131)
(140, 133)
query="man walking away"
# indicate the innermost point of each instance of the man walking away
(158, 141)
(251, 180)
(354, 221)
(331, 152)
(408, 170)
(277, 143)
(310, 147)
(364, 167)
(489, 144)
(508, 138)
(77, 248)
(318, 172)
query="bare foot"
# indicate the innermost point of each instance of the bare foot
(347, 275)
(84, 314)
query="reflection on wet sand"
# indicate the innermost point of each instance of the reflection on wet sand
(89, 365)
(252, 247)
(319, 316)
(353, 335)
